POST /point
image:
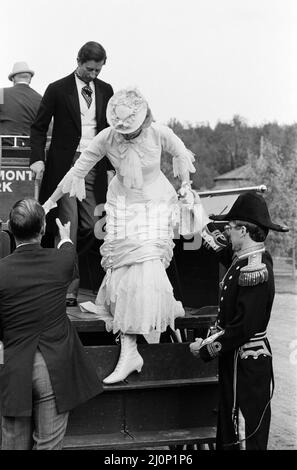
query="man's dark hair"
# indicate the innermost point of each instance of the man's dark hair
(26, 219)
(257, 233)
(91, 51)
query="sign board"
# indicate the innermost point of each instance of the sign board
(16, 182)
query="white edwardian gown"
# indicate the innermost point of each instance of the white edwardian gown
(136, 296)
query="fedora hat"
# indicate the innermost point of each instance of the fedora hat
(251, 207)
(20, 67)
(126, 110)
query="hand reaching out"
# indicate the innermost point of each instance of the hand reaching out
(64, 230)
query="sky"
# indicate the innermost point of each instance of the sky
(198, 61)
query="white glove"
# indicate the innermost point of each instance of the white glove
(38, 169)
(195, 347)
(49, 205)
(186, 194)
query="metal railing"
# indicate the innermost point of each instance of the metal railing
(228, 192)
(16, 140)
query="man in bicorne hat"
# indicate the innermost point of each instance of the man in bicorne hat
(239, 337)
(18, 104)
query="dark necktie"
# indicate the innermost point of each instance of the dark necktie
(87, 91)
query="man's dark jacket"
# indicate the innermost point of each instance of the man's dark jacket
(18, 108)
(33, 285)
(61, 102)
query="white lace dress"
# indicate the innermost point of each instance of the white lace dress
(136, 296)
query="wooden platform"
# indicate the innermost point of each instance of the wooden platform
(196, 319)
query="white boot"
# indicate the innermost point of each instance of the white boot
(129, 360)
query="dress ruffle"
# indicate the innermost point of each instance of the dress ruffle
(139, 299)
(136, 295)
(131, 153)
(130, 169)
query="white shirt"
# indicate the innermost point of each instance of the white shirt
(88, 115)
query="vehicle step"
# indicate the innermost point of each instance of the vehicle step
(140, 440)
(147, 384)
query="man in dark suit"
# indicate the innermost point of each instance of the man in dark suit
(77, 104)
(18, 104)
(46, 371)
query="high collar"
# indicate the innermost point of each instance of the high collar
(258, 247)
(120, 139)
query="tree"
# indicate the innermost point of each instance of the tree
(278, 172)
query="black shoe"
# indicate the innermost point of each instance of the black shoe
(71, 302)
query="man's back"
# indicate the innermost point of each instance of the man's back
(33, 285)
(18, 110)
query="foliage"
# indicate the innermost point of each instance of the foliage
(270, 150)
(278, 170)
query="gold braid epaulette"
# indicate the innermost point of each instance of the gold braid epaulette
(253, 278)
(255, 272)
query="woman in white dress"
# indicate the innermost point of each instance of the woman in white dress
(135, 296)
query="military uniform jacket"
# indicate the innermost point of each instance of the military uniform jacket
(245, 362)
(244, 305)
(33, 285)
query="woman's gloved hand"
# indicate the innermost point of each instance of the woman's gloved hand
(49, 205)
(185, 193)
(195, 347)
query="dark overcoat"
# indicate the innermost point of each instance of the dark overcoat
(33, 285)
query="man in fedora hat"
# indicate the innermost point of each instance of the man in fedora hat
(239, 337)
(20, 103)
(77, 104)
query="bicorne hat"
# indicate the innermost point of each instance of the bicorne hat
(126, 110)
(251, 207)
(20, 67)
